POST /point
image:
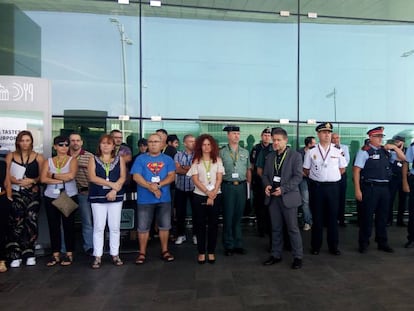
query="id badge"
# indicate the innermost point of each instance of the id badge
(210, 187)
(375, 156)
(155, 179)
(235, 175)
(276, 179)
(399, 164)
(56, 191)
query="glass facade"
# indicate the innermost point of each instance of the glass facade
(201, 64)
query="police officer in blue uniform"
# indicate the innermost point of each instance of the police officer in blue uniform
(372, 173)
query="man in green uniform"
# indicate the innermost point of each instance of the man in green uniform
(237, 174)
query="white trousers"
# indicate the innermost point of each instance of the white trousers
(100, 212)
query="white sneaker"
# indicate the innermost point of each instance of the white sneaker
(31, 261)
(180, 240)
(194, 240)
(307, 227)
(16, 263)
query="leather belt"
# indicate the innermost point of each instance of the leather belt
(83, 189)
(235, 183)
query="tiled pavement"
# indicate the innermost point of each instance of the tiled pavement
(372, 281)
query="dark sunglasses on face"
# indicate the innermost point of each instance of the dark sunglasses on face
(63, 144)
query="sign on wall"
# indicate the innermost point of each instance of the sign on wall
(25, 104)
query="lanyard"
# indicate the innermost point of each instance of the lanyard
(207, 167)
(278, 166)
(326, 155)
(235, 156)
(107, 167)
(59, 164)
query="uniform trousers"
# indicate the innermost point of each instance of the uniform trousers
(280, 215)
(375, 200)
(395, 186)
(324, 202)
(234, 201)
(101, 212)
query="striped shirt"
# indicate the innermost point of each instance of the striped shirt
(184, 182)
(81, 178)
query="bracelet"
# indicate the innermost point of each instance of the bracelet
(53, 176)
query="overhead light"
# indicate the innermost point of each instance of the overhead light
(311, 121)
(156, 118)
(312, 15)
(155, 3)
(284, 121)
(123, 117)
(123, 1)
(284, 13)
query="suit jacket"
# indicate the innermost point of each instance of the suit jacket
(291, 176)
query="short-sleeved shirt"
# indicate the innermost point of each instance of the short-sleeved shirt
(409, 154)
(124, 150)
(149, 166)
(324, 165)
(200, 169)
(184, 182)
(235, 162)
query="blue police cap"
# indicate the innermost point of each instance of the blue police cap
(325, 126)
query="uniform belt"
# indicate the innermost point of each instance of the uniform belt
(83, 189)
(235, 182)
(376, 183)
(324, 182)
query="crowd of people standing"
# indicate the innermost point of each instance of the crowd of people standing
(213, 180)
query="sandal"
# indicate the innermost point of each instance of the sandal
(117, 261)
(166, 256)
(54, 260)
(96, 263)
(140, 259)
(3, 267)
(67, 260)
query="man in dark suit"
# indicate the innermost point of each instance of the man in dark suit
(282, 175)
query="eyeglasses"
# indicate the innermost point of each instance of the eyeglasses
(63, 144)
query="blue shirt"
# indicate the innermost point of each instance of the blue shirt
(409, 154)
(152, 166)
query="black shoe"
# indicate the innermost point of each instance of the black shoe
(362, 249)
(297, 263)
(314, 251)
(228, 252)
(385, 248)
(335, 252)
(409, 244)
(89, 252)
(211, 261)
(201, 262)
(239, 250)
(272, 260)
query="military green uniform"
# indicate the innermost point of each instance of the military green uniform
(236, 163)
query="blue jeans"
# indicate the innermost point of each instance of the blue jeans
(304, 192)
(86, 219)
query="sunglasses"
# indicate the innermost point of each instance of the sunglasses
(63, 144)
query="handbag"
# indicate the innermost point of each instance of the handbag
(64, 203)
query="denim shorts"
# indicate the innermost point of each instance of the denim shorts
(146, 214)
